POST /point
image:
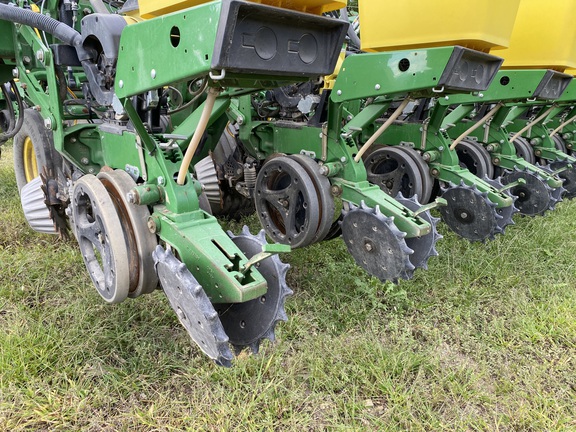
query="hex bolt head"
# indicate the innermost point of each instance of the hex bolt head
(153, 73)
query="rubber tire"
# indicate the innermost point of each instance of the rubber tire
(42, 142)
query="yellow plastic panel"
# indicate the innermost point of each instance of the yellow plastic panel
(570, 72)
(544, 36)
(154, 8)
(389, 25)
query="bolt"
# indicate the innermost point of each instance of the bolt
(481, 95)
(160, 180)
(240, 120)
(441, 148)
(84, 161)
(435, 172)
(151, 225)
(446, 97)
(120, 83)
(501, 141)
(131, 197)
(496, 161)
(343, 159)
(368, 247)
(48, 123)
(377, 87)
(91, 170)
(40, 55)
(339, 92)
(324, 170)
(153, 73)
(15, 73)
(73, 140)
(336, 190)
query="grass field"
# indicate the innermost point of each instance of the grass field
(484, 340)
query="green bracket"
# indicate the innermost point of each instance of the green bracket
(211, 256)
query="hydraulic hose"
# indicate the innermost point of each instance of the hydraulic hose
(41, 22)
(16, 124)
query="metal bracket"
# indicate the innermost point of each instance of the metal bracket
(518, 182)
(220, 77)
(267, 251)
(438, 202)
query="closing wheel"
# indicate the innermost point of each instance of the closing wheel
(475, 158)
(33, 149)
(376, 243)
(101, 239)
(192, 306)
(505, 212)
(323, 190)
(532, 198)
(568, 177)
(424, 246)
(139, 240)
(469, 213)
(247, 324)
(286, 202)
(393, 171)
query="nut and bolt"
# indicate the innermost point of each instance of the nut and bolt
(40, 55)
(85, 161)
(339, 92)
(131, 197)
(48, 123)
(435, 172)
(160, 180)
(336, 190)
(15, 72)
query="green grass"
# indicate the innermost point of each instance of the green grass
(484, 340)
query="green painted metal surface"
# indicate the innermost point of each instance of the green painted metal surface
(182, 42)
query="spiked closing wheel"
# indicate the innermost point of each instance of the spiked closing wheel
(247, 324)
(505, 212)
(532, 198)
(470, 213)
(101, 238)
(192, 306)
(568, 177)
(424, 247)
(286, 202)
(376, 243)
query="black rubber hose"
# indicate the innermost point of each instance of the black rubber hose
(49, 25)
(5, 136)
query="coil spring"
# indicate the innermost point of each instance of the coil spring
(250, 175)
